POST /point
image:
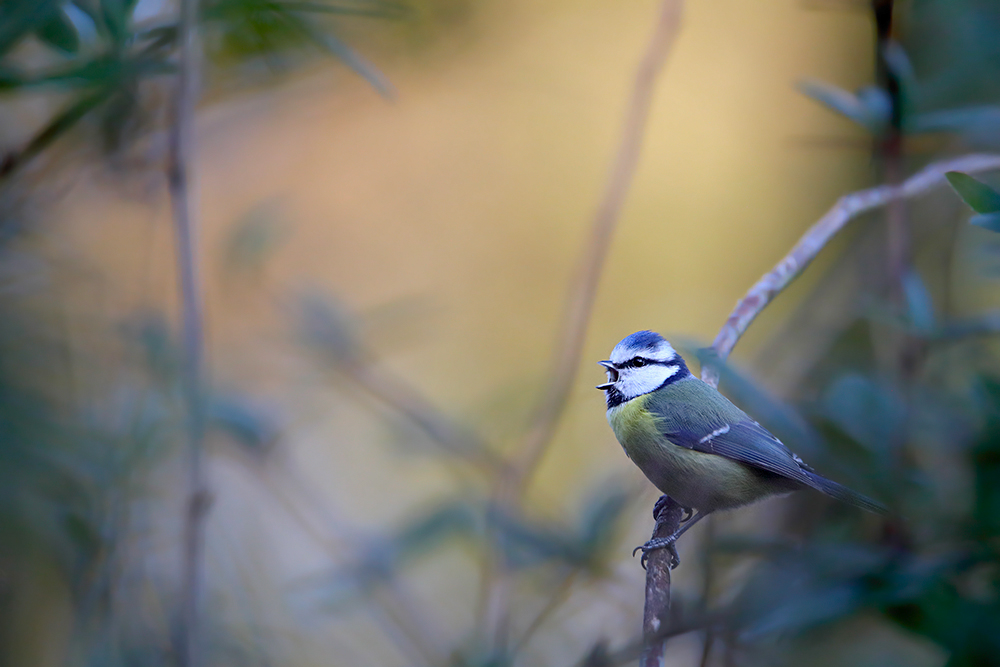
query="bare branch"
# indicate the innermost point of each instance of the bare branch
(181, 140)
(581, 300)
(555, 600)
(846, 209)
(656, 614)
(414, 406)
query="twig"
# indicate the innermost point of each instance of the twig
(815, 239)
(415, 407)
(706, 585)
(181, 140)
(637, 648)
(573, 330)
(656, 614)
(398, 614)
(557, 598)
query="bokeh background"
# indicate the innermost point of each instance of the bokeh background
(393, 198)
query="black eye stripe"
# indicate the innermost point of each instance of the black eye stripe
(638, 362)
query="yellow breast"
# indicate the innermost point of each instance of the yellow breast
(694, 479)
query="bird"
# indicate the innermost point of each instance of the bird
(695, 445)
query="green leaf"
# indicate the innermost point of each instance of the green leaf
(248, 424)
(117, 15)
(327, 327)
(92, 8)
(873, 414)
(255, 238)
(354, 60)
(870, 107)
(58, 126)
(59, 32)
(981, 197)
(990, 221)
(368, 9)
(919, 305)
(20, 18)
(11, 78)
(978, 123)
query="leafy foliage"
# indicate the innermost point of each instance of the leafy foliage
(110, 77)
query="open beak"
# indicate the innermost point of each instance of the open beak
(612, 375)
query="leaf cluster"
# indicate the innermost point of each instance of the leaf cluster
(103, 59)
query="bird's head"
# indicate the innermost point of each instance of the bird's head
(639, 364)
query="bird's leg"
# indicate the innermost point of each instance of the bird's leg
(668, 542)
(661, 504)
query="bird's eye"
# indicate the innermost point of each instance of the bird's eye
(638, 362)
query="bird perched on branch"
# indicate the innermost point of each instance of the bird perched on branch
(693, 443)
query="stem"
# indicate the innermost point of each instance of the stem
(707, 582)
(557, 598)
(656, 614)
(181, 140)
(573, 330)
(815, 239)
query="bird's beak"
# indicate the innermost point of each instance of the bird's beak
(612, 375)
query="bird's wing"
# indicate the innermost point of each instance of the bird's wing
(708, 422)
(748, 442)
(692, 414)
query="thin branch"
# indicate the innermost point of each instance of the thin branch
(707, 582)
(395, 393)
(181, 139)
(556, 600)
(399, 616)
(815, 239)
(636, 649)
(573, 330)
(656, 613)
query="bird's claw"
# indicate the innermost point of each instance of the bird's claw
(658, 507)
(656, 544)
(661, 504)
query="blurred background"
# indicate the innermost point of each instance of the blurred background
(393, 198)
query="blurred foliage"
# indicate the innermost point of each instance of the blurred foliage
(107, 64)
(903, 403)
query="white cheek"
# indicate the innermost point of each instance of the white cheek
(639, 381)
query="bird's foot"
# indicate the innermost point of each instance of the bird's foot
(661, 504)
(655, 544)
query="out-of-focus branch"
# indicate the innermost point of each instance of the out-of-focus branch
(181, 142)
(656, 614)
(398, 615)
(414, 406)
(573, 330)
(708, 579)
(815, 239)
(580, 302)
(557, 598)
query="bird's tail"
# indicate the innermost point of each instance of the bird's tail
(844, 494)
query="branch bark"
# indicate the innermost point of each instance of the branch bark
(815, 239)
(656, 613)
(181, 144)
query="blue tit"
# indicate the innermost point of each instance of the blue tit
(692, 443)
